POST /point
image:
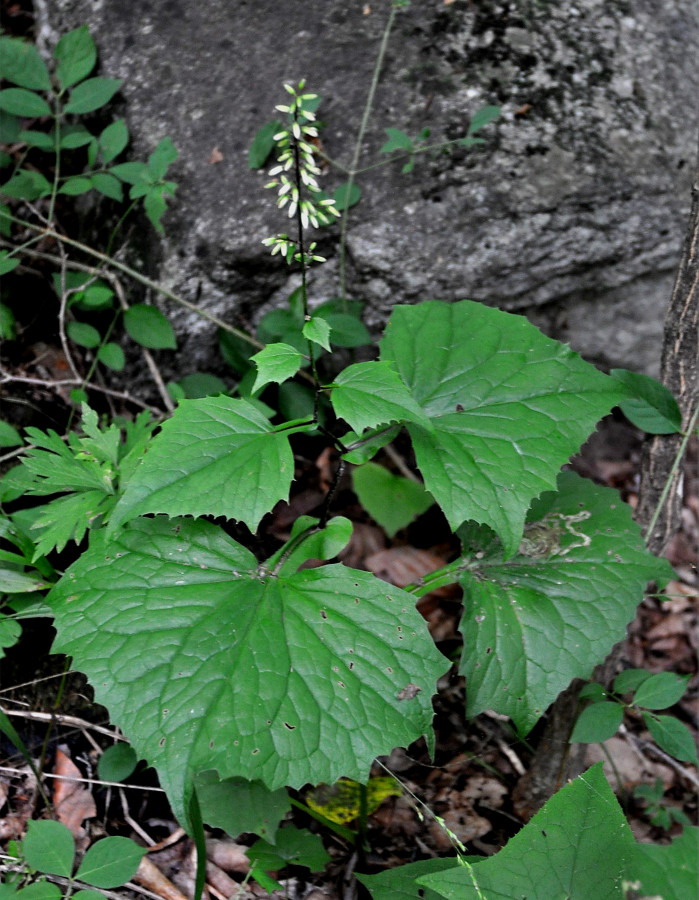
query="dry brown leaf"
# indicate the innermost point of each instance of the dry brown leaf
(403, 565)
(72, 801)
(228, 855)
(150, 876)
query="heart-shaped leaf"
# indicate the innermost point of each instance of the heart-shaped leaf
(208, 662)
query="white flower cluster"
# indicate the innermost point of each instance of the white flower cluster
(297, 135)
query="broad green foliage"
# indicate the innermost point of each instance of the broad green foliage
(537, 620)
(208, 661)
(668, 871)
(237, 805)
(651, 406)
(508, 407)
(215, 456)
(577, 846)
(371, 393)
(392, 500)
(49, 848)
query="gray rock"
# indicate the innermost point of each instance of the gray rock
(572, 211)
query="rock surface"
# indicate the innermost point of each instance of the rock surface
(572, 211)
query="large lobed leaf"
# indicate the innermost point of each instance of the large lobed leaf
(215, 456)
(575, 847)
(208, 662)
(550, 614)
(509, 407)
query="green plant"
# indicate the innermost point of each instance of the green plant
(42, 865)
(239, 677)
(601, 719)
(661, 815)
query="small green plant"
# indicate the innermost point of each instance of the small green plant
(44, 864)
(239, 677)
(601, 719)
(660, 814)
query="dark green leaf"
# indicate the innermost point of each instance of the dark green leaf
(371, 393)
(10, 632)
(97, 295)
(650, 406)
(108, 185)
(230, 463)
(92, 94)
(508, 406)
(27, 104)
(346, 197)
(7, 263)
(577, 846)
(21, 64)
(9, 436)
(39, 139)
(400, 884)
(83, 335)
(49, 847)
(363, 447)
(74, 136)
(262, 144)
(148, 327)
(75, 185)
(346, 330)
(237, 805)
(10, 127)
(277, 363)
(661, 690)
(397, 140)
(68, 519)
(14, 582)
(110, 862)
(39, 890)
(630, 679)
(76, 54)
(117, 762)
(113, 140)
(317, 331)
(235, 351)
(293, 846)
(202, 384)
(8, 324)
(567, 597)
(593, 691)
(112, 356)
(207, 662)
(668, 871)
(484, 116)
(155, 206)
(391, 500)
(161, 159)
(131, 172)
(598, 722)
(672, 736)
(26, 185)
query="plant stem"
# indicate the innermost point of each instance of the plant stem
(353, 168)
(668, 483)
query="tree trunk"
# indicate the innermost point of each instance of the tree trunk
(556, 760)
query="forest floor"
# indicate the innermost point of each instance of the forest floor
(474, 782)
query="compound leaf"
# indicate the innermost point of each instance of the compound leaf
(208, 662)
(215, 456)
(533, 623)
(371, 393)
(508, 407)
(576, 846)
